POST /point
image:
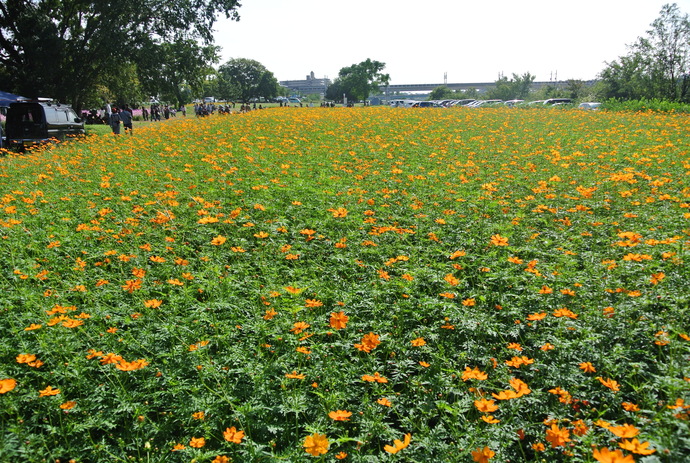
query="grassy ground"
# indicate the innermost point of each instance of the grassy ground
(364, 284)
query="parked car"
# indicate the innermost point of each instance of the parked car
(512, 103)
(592, 106)
(557, 101)
(484, 103)
(426, 104)
(32, 123)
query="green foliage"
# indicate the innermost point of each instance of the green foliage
(358, 81)
(657, 65)
(245, 79)
(518, 87)
(199, 249)
(175, 71)
(64, 49)
(646, 105)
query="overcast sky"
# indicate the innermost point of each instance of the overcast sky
(420, 41)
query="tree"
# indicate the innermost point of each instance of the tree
(517, 87)
(245, 79)
(657, 66)
(174, 71)
(358, 81)
(442, 92)
(64, 48)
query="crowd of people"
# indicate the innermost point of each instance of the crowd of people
(122, 117)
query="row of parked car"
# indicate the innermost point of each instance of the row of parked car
(471, 103)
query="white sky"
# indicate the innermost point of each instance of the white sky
(471, 41)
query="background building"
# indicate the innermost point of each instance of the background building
(310, 85)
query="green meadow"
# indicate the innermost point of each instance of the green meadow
(362, 285)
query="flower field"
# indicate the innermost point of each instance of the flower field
(365, 285)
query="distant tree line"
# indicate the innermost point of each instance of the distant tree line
(86, 51)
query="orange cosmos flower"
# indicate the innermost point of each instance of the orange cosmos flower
(303, 350)
(505, 395)
(313, 303)
(607, 456)
(375, 378)
(610, 383)
(545, 290)
(564, 312)
(293, 290)
(483, 455)
(383, 401)
(298, 327)
(451, 279)
(398, 445)
(221, 459)
(474, 373)
(490, 419)
(418, 342)
(340, 415)
(197, 442)
(635, 446)
(6, 385)
(536, 316)
(218, 240)
(316, 444)
(124, 365)
(587, 367)
(110, 358)
(630, 407)
(556, 436)
(457, 254)
(48, 392)
(338, 212)
(341, 456)
(270, 313)
(486, 405)
(295, 375)
(469, 302)
(338, 320)
(517, 362)
(369, 342)
(624, 431)
(132, 285)
(33, 326)
(520, 387)
(233, 435)
(25, 358)
(68, 405)
(498, 240)
(657, 277)
(153, 303)
(580, 428)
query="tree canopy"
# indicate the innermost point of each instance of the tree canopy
(657, 65)
(358, 81)
(65, 48)
(245, 79)
(517, 87)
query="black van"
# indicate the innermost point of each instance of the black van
(32, 123)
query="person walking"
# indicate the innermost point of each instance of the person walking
(114, 121)
(126, 118)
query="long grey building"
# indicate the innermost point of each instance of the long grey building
(308, 86)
